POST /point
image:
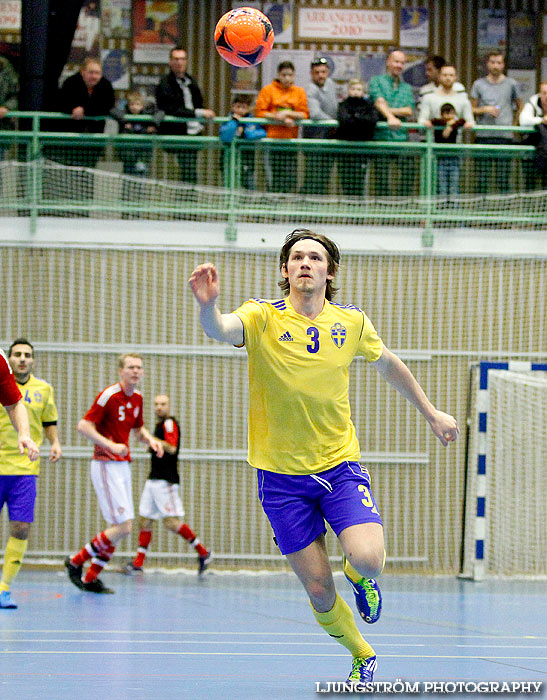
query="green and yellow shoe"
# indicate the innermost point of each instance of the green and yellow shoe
(368, 597)
(362, 670)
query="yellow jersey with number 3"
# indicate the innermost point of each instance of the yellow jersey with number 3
(37, 396)
(299, 412)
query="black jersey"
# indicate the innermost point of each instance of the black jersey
(166, 467)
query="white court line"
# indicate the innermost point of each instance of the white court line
(285, 634)
(483, 657)
(327, 642)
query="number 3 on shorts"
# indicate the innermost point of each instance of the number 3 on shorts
(367, 500)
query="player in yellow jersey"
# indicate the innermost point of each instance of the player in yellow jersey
(18, 473)
(301, 438)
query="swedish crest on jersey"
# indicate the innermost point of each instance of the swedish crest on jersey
(338, 334)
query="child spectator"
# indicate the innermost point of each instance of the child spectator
(285, 104)
(449, 167)
(357, 117)
(136, 159)
(234, 129)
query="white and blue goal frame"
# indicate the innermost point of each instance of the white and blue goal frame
(479, 564)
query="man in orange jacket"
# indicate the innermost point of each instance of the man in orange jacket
(284, 103)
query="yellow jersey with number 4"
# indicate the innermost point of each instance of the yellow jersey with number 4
(37, 396)
(299, 412)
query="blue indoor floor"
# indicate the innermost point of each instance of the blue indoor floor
(247, 637)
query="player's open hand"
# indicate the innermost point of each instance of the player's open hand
(25, 443)
(157, 447)
(204, 284)
(445, 427)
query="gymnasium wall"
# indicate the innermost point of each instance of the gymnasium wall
(81, 307)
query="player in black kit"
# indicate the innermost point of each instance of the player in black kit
(161, 495)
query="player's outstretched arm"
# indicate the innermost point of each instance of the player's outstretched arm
(226, 328)
(396, 373)
(88, 429)
(19, 419)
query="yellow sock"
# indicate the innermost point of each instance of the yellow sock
(339, 623)
(13, 560)
(353, 574)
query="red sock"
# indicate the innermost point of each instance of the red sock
(91, 549)
(93, 572)
(200, 549)
(82, 556)
(102, 549)
(98, 563)
(186, 532)
(144, 540)
(190, 535)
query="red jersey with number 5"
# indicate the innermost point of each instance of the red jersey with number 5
(115, 415)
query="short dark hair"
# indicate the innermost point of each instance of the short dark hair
(437, 61)
(333, 257)
(177, 48)
(243, 99)
(284, 65)
(495, 52)
(20, 341)
(447, 107)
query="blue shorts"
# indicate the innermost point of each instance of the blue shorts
(19, 492)
(298, 505)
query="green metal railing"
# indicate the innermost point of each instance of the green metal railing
(398, 186)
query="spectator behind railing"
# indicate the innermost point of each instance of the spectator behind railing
(357, 118)
(136, 159)
(394, 99)
(87, 93)
(322, 105)
(284, 103)
(450, 109)
(433, 65)
(496, 100)
(235, 129)
(9, 90)
(179, 95)
(534, 113)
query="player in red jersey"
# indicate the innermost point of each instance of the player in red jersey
(114, 414)
(161, 495)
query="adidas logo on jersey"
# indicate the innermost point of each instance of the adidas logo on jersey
(286, 336)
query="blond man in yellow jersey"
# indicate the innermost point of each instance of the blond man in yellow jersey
(18, 472)
(301, 438)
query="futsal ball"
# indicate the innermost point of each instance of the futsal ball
(244, 37)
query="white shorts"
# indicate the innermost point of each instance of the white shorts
(112, 482)
(160, 499)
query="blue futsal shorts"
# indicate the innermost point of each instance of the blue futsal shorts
(19, 492)
(297, 505)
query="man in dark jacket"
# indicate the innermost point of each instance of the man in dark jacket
(178, 95)
(357, 117)
(86, 94)
(9, 89)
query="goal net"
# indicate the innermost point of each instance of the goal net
(507, 530)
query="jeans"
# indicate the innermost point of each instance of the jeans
(448, 171)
